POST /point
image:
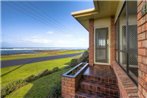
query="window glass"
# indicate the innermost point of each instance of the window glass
(132, 33)
(122, 38)
(117, 40)
(101, 48)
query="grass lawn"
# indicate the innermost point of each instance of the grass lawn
(39, 88)
(39, 54)
(10, 74)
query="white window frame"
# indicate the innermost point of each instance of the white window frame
(109, 44)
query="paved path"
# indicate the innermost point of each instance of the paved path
(32, 60)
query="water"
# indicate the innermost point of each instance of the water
(8, 52)
(25, 50)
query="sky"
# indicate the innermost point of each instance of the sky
(43, 24)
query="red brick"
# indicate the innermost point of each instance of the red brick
(139, 2)
(139, 15)
(142, 75)
(140, 80)
(68, 87)
(139, 58)
(143, 28)
(73, 79)
(144, 60)
(112, 47)
(91, 42)
(143, 67)
(144, 44)
(142, 20)
(142, 36)
(142, 52)
(144, 92)
(139, 44)
(139, 7)
(146, 24)
(139, 29)
(126, 85)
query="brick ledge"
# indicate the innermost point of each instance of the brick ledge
(127, 87)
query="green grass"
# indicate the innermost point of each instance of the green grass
(39, 88)
(8, 69)
(39, 54)
(21, 72)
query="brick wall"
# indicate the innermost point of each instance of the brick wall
(70, 86)
(142, 51)
(127, 87)
(91, 42)
(112, 40)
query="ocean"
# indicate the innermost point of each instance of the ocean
(25, 50)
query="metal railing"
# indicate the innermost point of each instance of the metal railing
(75, 71)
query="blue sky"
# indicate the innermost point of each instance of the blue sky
(43, 24)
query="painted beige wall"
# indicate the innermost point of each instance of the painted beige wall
(103, 23)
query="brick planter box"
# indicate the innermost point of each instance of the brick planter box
(70, 80)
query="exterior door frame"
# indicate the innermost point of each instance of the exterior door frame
(108, 42)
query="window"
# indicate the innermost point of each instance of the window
(122, 38)
(126, 39)
(101, 49)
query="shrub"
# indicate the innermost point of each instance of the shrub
(43, 73)
(74, 62)
(84, 57)
(55, 69)
(30, 78)
(11, 87)
(66, 67)
(55, 91)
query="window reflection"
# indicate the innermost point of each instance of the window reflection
(101, 42)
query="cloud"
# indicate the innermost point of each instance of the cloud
(58, 41)
(64, 40)
(74, 42)
(37, 40)
(68, 35)
(83, 40)
(50, 32)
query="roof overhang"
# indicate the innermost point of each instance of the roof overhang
(83, 16)
(102, 9)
